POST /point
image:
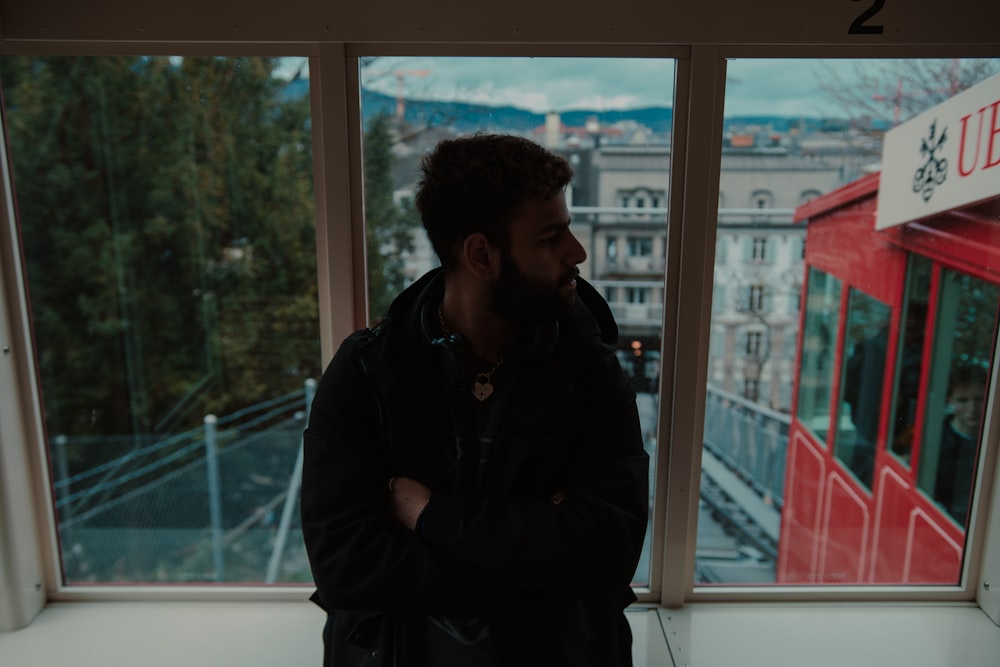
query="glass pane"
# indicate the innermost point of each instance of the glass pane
(865, 341)
(610, 118)
(910, 355)
(166, 218)
(819, 338)
(796, 133)
(964, 338)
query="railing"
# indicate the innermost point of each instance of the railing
(751, 439)
(734, 217)
(217, 503)
(175, 503)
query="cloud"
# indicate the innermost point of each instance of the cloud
(538, 84)
(788, 87)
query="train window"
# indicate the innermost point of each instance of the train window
(409, 104)
(909, 358)
(964, 339)
(865, 341)
(819, 339)
(166, 217)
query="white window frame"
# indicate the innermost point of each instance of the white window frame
(29, 559)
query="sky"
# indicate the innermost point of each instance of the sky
(782, 87)
(778, 87)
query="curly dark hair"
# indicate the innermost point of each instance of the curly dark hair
(478, 183)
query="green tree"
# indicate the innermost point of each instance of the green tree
(166, 217)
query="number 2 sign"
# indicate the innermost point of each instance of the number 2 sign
(858, 27)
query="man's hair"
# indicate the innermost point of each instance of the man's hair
(479, 183)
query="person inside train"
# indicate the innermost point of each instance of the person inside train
(959, 437)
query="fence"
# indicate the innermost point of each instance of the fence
(215, 503)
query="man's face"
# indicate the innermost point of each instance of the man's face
(967, 404)
(538, 273)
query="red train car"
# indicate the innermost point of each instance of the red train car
(897, 343)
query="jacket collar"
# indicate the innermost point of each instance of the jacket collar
(415, 309)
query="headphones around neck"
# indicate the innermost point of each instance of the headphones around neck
(457, 359)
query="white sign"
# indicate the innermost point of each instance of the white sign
(946, 157)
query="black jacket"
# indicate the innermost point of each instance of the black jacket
(552, 580)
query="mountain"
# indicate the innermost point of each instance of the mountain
(464, 117)
(468, 117)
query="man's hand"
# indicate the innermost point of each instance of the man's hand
(407, 499)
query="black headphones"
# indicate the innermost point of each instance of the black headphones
(456, 356)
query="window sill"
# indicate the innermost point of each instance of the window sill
(166, 634)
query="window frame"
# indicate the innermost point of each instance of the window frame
(693, 195)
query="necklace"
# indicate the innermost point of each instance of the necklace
(482, 388)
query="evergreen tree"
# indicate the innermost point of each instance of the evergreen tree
(166, 218)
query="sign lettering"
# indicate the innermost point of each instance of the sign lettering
(942, 159)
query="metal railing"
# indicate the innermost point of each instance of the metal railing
(751, 439)
(177, 505)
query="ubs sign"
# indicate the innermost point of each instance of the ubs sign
(946, 157)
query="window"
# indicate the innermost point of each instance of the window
(755, 298)
(818, 395)
(762, 199)
(819, 338)
(395, 136)
(861, 381)
(748, 563)
(910, 354)
(637, 294)
(753, 344)
(808, 195)
(640, 246)
(965, 339)
(167, 227)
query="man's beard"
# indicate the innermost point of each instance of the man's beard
(520, 298)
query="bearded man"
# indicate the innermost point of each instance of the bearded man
(475, 489)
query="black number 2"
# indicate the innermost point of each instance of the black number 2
(859, 27)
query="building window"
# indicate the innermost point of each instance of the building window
(640, 246)
(758, 252)
(754, 346)
(612, 248)
(808, 195)
(755, 299)
(762, 199)
(637, 294)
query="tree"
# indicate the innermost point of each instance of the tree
(165, 212)
(900, 89)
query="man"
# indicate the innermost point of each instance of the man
(959, 435)
(475, 487)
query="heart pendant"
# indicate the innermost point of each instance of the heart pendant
(482, 391)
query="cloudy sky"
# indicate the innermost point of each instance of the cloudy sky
(543, 84)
